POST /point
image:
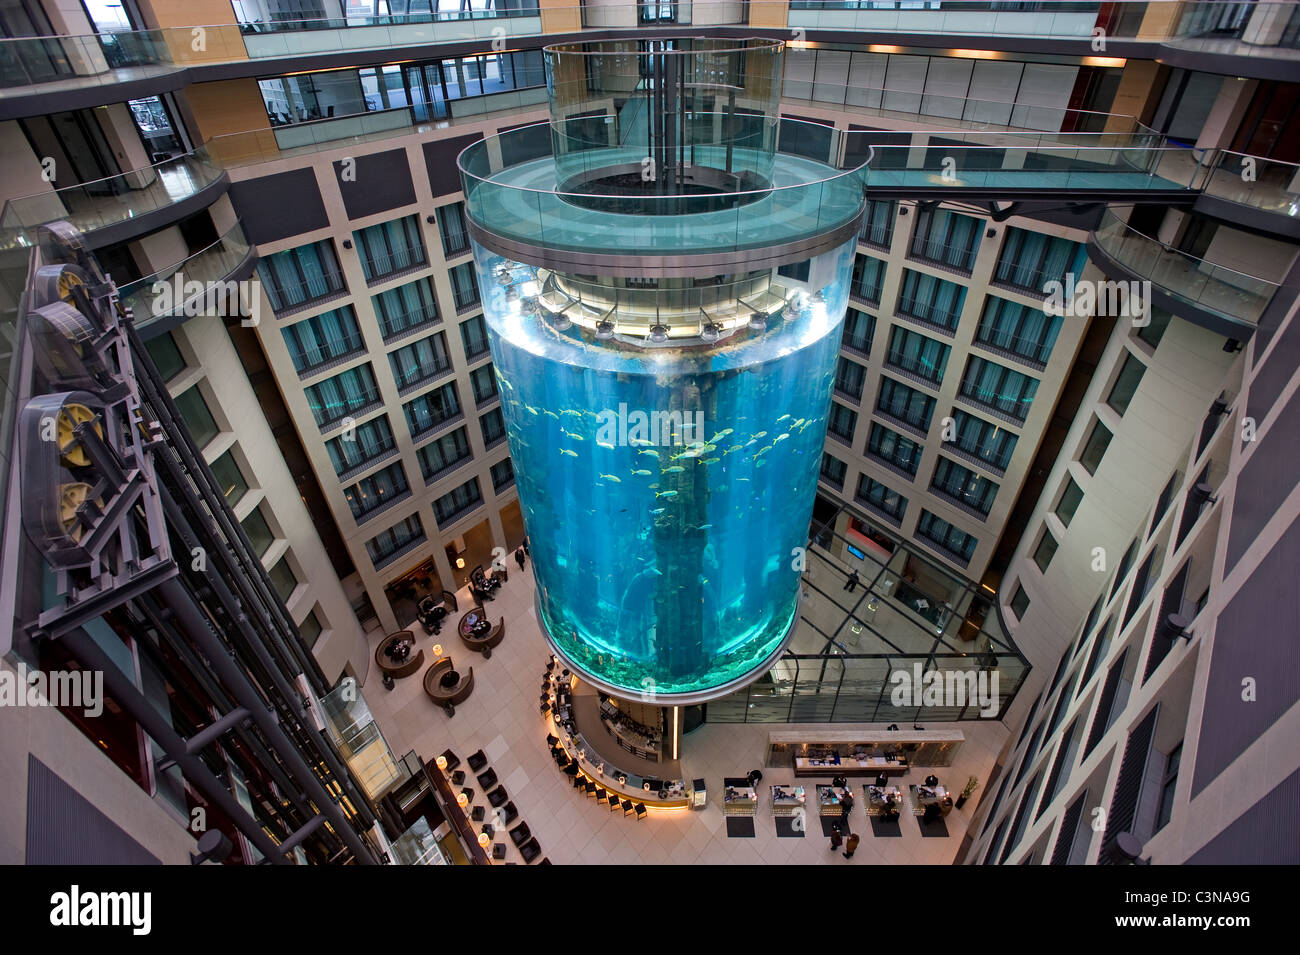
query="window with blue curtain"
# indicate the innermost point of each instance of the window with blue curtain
(1030, 260)
(464, 286)
(917, 353)
(904, 404)
(455, 237)
(931, 300)
(484, 383)
(868, 278)
(903, 453)
(989, 384)
(964, 485)
(322, 338)
(473, 335)
(432, 408)
(344, 394)
(390, 247)
(456, 502)
(859, 329)
(849, 378)
(881, 498)
(1017, 329)
(406, 308)
(295, 277)
(420, 361)
(442, 454)
(493, 426)
(842, 421)
(878, 223)
(398, 538)
(946, 238)
(376, 490)
(365, 443)
(951, 540)
(992, 444)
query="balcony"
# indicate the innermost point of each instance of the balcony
(119, 207)
(163, 300)
(1212, 296)
(264, 39)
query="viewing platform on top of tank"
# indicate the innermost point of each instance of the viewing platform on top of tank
(666, 147)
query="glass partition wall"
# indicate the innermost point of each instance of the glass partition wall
(857, 637)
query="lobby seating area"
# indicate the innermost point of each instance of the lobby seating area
(500, 809)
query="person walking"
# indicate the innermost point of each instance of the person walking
(519, 556)
(852, 583)
(846, 807)
(851, 846)
(837, 840)
(526, 550)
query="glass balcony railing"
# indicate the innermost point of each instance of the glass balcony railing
(105, 202)
(1266, 184)
(1215, 288)
(173, 291)
(1241, 29)
(79, 60)
(294, 37)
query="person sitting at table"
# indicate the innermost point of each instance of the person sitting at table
(932, 780)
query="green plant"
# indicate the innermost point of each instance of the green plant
(972, 784)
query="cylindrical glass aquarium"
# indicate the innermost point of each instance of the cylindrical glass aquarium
(666, 488)
(665, 273)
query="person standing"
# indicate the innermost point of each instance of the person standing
(519, 556)
(852, 583)
(851, 846)
(837, 840)
(526, 550)
(846, 807)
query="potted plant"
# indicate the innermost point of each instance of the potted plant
(972, 784)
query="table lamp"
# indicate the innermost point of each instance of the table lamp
(483, 840)
(462, 800)
(441, 763)
(437, 649)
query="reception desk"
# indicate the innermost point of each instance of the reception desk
(862, 753)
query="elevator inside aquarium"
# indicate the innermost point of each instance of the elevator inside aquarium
(665, 268)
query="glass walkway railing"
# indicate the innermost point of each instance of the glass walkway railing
(112, 200)
(96, 59)
(1213, 288)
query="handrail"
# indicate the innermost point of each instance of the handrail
(198, 152)
(1110, 213)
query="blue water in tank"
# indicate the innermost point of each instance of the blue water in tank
(666, 563)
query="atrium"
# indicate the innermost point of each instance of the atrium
(749, 432)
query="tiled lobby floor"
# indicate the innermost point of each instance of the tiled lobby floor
(501, 718)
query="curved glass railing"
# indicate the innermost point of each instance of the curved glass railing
(519, 200)
(1211, 287)
(109, 201)
(335, 34)
(189, 286)
(1241, 29)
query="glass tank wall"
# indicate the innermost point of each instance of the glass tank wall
(667, 488)
(690, 115)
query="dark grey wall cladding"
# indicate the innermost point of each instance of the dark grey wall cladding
(440, 159)
(65, 829)
(1268, 833)
(1277, 370)
(1269, 476)
(1255, 637)
(376, 183)
(278, 206)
